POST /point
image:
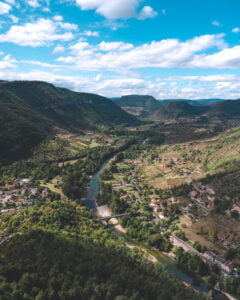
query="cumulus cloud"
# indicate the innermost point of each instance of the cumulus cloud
(117, 9)
(7, 63)
(58, 50)
(90, 33)
(38, 33)
(146, 13)
(110, 46)
(33, 3)
(58, 18)
(170, 53)
(14, 18)
(163, 88)
(226, 59)
(4, 8)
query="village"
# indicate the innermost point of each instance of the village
(20, 193)
(130, 180)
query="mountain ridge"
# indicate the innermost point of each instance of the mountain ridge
(31, 109)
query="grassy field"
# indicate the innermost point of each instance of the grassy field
(163, 166)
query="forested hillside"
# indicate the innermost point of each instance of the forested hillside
(58, 251)
(30, 110)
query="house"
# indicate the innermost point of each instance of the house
(173, 199)
(210, 190)
(23, 192)
(45, 192)
(236, 208)
(227, 266)
(33, 191)
(193, 194)
(157, 208)
(209, 255)
(153, 201)
(25, 180)
(211, 198)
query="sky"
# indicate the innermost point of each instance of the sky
(165, 48)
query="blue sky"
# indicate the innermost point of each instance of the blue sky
(165, 48)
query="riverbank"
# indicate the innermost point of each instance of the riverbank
(119, 231)
(104, 211)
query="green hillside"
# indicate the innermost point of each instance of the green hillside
(174, 110)
(30, 110)
(221, 110)
(68, 255)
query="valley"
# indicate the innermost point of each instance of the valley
(174, 177)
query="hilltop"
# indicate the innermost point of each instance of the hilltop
(221, 110)
(138, 104)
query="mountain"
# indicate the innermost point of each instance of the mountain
(144, 105)
(227, 109)
(137, 104)
(30, 110)
(222, 110)
(174, 110)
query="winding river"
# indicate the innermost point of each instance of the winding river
(91, 202)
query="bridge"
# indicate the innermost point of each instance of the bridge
(108, 218)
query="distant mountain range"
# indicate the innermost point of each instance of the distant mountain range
(222, 110)
(31, 109)
(148, 107)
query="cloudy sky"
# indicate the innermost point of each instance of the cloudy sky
(165, 48)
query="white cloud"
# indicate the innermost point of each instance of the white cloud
(33, 3)
(64, 25)
(171, 53)
(38, 63)
(90, 33)
(216, 23)
(110, 46)
(236, 30)
(117, 9)
(68, 26)
(146, 13)
(38, 33)
(14, 18)
(207, 78)
(58, 50)
(7, 63)
(12, 2)
(4, 8)
(58, 18)
(164, 88)
(226, 59)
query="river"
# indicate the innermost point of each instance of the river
(93, 190)
(91, 202)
